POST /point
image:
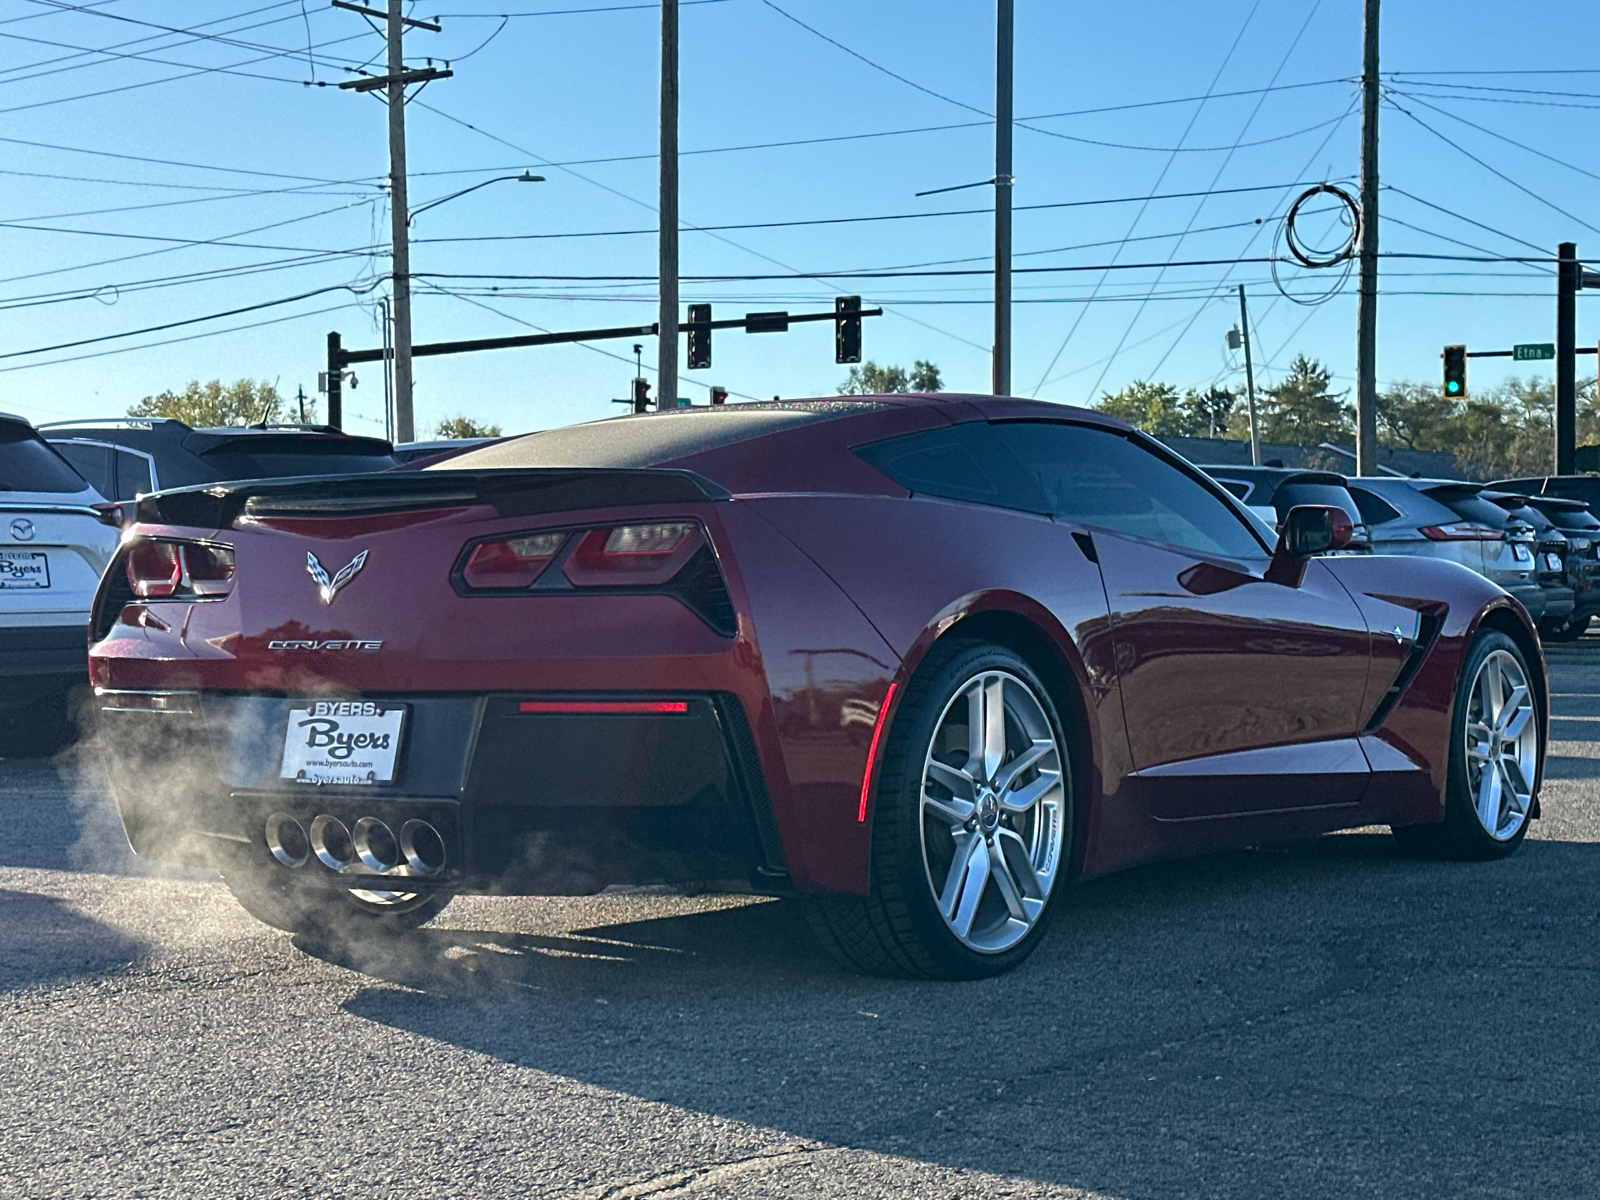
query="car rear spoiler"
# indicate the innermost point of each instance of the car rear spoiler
(512, 493)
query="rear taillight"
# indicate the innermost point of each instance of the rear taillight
(1463, 531)
(160, 570)
(510, 563)
(672, 557)
(632, 555)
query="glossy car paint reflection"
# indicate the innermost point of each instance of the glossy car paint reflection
(1205, 705)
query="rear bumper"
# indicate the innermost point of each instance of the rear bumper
(41, 660)
(532, 802)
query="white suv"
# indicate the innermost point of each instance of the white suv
(54, 543)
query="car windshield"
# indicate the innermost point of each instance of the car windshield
(1297, 491)
(29, 464)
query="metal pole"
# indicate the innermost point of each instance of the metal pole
(1568, 279)
(667, 343)
(1249, 380)
(388, 369)
(1002, 197)
(1367, 304)
(399, 222)
(335, 378)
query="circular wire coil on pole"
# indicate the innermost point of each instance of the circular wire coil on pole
(1287, 235)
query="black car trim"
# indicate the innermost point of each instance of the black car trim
(1428, 626)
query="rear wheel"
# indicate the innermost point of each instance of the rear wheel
(974, 815)
(275, 897)
(1494, 759)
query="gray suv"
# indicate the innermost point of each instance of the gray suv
(1447, 518)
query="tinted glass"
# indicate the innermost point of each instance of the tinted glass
(1237, 487)
(241, 464)
(1375, 510)
(133, 475)
(1099, 478)
(92, 462)
(28, 464)
(1474, 508)
(1567, 518)
(960, 462)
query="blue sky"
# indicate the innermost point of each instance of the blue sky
(291, 175)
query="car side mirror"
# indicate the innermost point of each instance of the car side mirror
(1308, 529)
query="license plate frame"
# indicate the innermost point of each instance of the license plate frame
(343, 743)
(12, 578)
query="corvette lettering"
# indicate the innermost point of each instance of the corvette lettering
(332, 644)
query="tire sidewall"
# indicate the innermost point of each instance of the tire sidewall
(898, 854)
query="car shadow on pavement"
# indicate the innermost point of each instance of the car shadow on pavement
(1318, 1019)
(46, 941)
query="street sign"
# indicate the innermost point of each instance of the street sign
(1533, 351)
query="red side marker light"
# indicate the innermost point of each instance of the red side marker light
(603, 706)
(872, 751)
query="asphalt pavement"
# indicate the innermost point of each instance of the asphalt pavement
(1321, 1020)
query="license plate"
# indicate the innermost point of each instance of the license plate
(24, 569)
(1552, 562)
(342, 742)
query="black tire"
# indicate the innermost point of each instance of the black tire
(273, 896)
(1571, 631)
(898, 929)
(1463, 835)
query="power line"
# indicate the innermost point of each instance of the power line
(1502, 137)
(1134, 224)
(566, 12)
(216, 316)
(1493, 171)
(1449, 213)
(171, 162)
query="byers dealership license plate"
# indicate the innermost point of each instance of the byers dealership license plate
(24, 569)
(342, 741)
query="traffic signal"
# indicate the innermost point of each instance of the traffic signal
(847, 329)
(1455, 372)
(719, 395)
(699, 336)
(641, 395)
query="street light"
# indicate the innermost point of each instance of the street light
(525, 177)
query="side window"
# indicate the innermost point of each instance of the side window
(1374, 509)
(1096, 477)
(133, 475)
(92, 462)
(958, 462)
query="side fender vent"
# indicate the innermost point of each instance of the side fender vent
(1427, 630)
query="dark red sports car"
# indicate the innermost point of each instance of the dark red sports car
(922, 660)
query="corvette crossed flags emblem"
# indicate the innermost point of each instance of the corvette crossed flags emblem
(329, 588)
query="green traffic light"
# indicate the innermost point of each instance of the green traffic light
(1452, 387)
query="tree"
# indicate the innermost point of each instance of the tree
(1152, 407)
(1300, 408)
(869, 379)
(208, 405)
(1208, 411)
(1417, 416)
(465, 427)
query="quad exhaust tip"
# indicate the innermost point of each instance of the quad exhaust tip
(419, 846)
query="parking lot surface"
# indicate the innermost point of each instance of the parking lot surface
(1326, 1019)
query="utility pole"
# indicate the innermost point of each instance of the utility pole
(1367, 304)
(1569, 278)
(667, 342)
(395, 82)
(400, 228)
(335, 381)
(1004, 38)
(1249, 380)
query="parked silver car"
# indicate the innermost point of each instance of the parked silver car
(54, 544)
(1447, 518)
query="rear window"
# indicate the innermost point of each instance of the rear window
(242, 463)
(1570, 518)
(28, 464)
(1474, 508)
(1295, 492)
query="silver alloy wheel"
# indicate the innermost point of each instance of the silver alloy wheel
(1501, 745)
(993, 808)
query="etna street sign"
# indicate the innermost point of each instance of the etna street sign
(1533, 351)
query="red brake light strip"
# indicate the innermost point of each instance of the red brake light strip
(603, 706)
(872, 751)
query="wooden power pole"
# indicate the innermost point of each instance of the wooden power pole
(1367, 304)
(667, 341)
(1002, 197)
